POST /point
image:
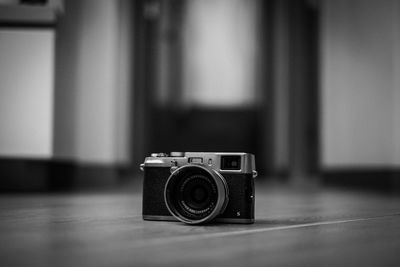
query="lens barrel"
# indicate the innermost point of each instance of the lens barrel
(194, 194)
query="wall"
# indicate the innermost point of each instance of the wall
(360, 86)
(396, 71)
(220, 53)
(281, 63)
(93, 82)
(26, 92)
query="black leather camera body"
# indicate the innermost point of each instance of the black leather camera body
(199, 187)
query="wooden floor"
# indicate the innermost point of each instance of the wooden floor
(293, 228)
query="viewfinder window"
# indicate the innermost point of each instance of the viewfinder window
(230, 163)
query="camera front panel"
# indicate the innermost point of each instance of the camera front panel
(153, 205)
(240, 207)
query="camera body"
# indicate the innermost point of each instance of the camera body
(199, 187)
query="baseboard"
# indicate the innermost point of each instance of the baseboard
(386, 179)
(41, 175)
(23, 175)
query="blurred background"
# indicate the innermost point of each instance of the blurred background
(89, 88)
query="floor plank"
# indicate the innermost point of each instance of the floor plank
(313, 227)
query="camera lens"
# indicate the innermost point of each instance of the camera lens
(197, 192)
(194, 194)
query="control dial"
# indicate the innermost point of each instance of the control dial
(177, 154)
(159, 155)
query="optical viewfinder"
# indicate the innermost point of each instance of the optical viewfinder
(230, 162)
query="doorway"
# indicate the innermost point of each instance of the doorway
(228, 75)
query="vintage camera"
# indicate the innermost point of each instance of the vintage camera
(199, 187)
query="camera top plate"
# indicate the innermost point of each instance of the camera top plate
(224, 162)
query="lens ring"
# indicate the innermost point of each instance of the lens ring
(179, 185)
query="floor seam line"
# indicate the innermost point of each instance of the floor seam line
(259, 230)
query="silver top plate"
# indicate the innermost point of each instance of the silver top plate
(211, 160)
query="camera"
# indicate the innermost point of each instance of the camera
(199, 187)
